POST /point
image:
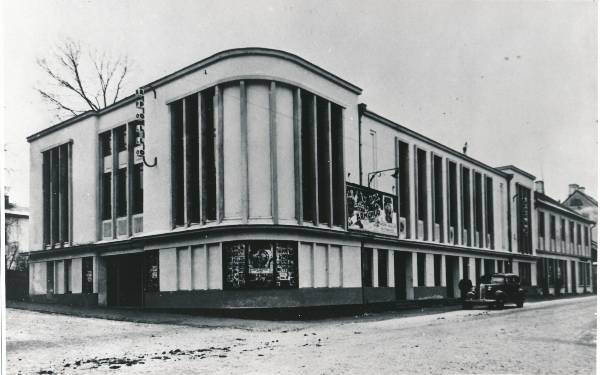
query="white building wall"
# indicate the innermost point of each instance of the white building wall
(351, 274)
(167, 260)
(76, 275)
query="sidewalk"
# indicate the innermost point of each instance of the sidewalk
(195, 319)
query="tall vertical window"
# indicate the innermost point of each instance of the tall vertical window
(452, 204)
(421, 189)
(541, 227)
(56, 176)
(194, 181)
(553, 228)
(563, 230)
(571, 232)
(578, 236)
(478, 209)
(438, 206)
(586, 233)
(489, 212)
(523, 203)
(466, 205)
(404, 186)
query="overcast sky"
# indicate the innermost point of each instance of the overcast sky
(516, 80)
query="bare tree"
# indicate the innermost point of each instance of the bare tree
(78, 82)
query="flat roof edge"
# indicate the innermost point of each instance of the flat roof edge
(430, 141)
(63, 124)
(248, 51)
(510, 166)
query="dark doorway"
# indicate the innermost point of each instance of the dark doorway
(451, 275)
(400, 261)
(124, 279)
(573, 279)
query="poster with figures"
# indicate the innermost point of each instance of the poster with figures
(260, 263)
(370, 210)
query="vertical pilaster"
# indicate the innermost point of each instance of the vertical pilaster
(273, 150)
(244, 152)
(220, 156)
(298, 155)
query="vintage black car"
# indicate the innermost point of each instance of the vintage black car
(496, 290)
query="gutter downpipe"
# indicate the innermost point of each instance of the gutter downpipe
(362, 108)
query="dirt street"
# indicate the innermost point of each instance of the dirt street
(550, 337)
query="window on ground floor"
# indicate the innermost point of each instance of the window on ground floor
(488, 265)
(151, 275)
(367, 266)
(382, 267)
(421, 269)
(260, 265)
(525, 274)
(87, 275)
(437, 269)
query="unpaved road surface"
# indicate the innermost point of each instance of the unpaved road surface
(550, 337)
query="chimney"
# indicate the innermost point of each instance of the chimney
(572, 188)
(581, 189)
(539, 186)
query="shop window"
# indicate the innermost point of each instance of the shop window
(56, 166)
(477, 269)
(489, 211)
(260, 265)
(421, 269)
(500, 266)
(151, 271)
(367, 266)
(382, 267)
(87, 275)
(437, 269)
(466, 204)
(404, 186)
(525, 273)
(540, 273)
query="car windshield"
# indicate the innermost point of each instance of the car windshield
(497, 280)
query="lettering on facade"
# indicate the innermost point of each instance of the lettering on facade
(370, 210)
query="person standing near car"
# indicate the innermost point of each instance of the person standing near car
(465, 286)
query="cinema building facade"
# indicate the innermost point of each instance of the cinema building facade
(255, 179)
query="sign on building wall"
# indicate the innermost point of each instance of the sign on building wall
(370, 210)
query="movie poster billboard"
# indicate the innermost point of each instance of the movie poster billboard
(370, 210)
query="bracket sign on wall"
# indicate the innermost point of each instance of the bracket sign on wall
(139, 128)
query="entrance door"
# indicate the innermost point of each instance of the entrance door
(124, 280)
(400, 275)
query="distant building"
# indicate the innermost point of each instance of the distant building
(587, 206)
(16, 233)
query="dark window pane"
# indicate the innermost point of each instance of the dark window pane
(106, 196)
(382, 267)
(138, 188)
(421, 269)
(121, 192)
(367, 266)
(151, 274)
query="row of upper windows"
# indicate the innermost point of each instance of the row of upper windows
(565, 235)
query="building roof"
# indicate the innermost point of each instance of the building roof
(430, 141)
(202, 64)
(253, 51)
(590, 200)
(548, 202)
(510, 166)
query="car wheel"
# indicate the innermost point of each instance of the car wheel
(500, 304)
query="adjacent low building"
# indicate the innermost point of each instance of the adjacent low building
(253, 179)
